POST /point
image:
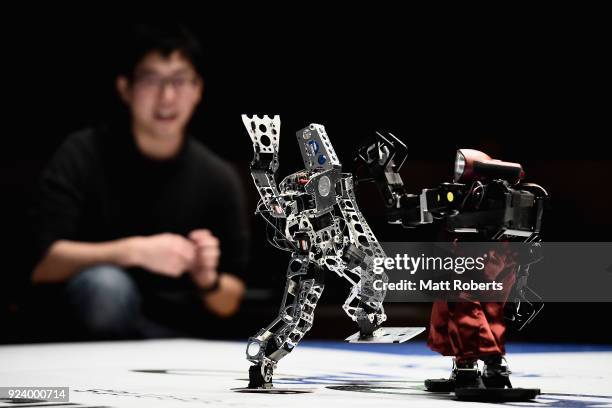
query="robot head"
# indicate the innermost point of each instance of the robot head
(317, 151)
(472, 165)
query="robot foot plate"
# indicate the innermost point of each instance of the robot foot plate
(496, 394)
(274, 390)
(387, 335)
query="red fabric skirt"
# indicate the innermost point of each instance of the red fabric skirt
(470, 330)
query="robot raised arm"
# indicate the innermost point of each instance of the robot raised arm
(383, 159)
(486, 196)
(264, 133)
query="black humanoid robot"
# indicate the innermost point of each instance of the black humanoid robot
(487, 201)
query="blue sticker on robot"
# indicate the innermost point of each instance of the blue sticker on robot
(314, 146)
(322, 159)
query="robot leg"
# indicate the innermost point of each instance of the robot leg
(302, 292)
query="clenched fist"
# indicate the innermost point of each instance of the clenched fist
(204, 270)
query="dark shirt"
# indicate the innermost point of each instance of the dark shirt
(99, 187)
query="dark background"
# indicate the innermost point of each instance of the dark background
(533, 95)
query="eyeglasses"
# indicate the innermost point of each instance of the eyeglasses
(151, 83)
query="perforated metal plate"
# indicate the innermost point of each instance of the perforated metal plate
(387, 335)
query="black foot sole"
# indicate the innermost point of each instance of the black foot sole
(440, 385)
(274, 390)
(497, 394)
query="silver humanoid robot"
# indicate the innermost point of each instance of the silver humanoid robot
(313, 215)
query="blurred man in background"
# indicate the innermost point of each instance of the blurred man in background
(143, 225)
